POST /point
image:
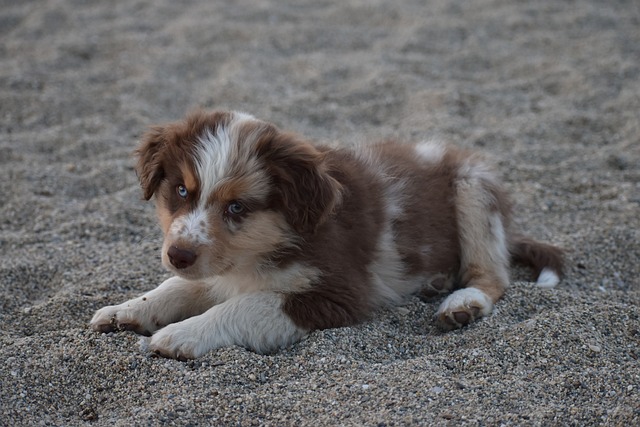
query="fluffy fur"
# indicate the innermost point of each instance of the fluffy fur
(271, 237)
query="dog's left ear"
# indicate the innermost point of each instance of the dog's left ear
(307, 191)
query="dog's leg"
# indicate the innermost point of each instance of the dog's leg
(254, 321)
(481, 212)
(174, 300)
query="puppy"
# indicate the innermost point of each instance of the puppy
(271, 237)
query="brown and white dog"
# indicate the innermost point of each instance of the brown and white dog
(271, 237)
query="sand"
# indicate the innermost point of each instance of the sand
(550, 90)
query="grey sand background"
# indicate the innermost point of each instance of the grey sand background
(548, 89)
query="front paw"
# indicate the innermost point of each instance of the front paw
(115, 318)
(177, 341)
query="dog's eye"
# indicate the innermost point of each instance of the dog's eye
(182, 191)
(235, 209)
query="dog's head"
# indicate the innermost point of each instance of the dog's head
(232, 191)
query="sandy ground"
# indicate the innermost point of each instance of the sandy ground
(549, 89)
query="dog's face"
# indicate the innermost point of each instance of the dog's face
(232, 192)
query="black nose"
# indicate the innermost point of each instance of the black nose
(181, 258)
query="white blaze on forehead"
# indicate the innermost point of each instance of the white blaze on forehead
(213, 159)
(219, 152)
(192, 227)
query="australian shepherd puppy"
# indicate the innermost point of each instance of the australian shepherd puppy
(270, 236)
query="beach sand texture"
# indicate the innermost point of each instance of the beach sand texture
(550, 90)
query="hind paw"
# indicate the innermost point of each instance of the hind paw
(463, 307)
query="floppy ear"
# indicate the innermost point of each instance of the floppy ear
(149, 167)
(307, 192)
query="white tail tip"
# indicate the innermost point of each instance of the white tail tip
(547, 278)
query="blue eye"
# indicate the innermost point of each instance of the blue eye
(235, 209)
(182, 191)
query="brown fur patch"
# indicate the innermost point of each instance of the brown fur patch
(231, 189)
(429, 216)
(341, 249)
(188, 178)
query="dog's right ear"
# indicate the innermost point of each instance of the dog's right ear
(150, 153)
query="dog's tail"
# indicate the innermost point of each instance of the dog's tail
(546, 260)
